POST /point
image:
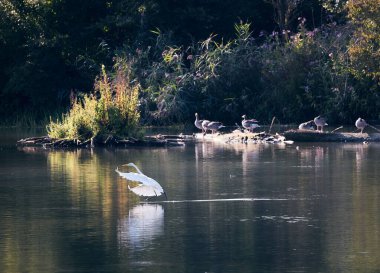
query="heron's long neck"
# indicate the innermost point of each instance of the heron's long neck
(137, 169)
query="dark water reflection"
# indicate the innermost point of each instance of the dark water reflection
(311, 208)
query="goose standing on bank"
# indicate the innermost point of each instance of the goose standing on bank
(320, 122)
(249, 124)
(198, 123)
(214, 126)
(306, 125)
(204, 125)
(361, 124)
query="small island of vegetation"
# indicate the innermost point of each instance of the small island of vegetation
(111, 109)
(107, 114)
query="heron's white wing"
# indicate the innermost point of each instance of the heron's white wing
(152, 183)
(133, 176)
(143, 190)
(147, 187)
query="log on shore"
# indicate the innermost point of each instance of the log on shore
(149, 141)
(316, 136)
(243, 137)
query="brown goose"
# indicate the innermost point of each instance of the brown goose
(320, 122)
(361, 124)
(198, 122)
(306, 125)
(204, 125)
(249, 124)
(214, 126)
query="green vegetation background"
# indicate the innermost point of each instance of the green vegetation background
(291, 59)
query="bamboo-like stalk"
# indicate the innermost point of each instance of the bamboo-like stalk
(270, 128)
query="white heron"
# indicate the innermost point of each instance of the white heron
(361, 124)
(320, 122)
(249, 124)
(147, 187)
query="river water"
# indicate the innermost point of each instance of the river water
(231, 208)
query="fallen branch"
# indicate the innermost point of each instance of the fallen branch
(110, 140)
(336, 129)
(317, 136)
(373, 127)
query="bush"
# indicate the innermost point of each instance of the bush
(111, 110)
(293, 76)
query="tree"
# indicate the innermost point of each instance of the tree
(285, 12)
(364, 48)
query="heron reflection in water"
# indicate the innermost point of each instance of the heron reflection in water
(144, 223)
(147, 187)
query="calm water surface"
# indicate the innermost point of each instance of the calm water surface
(236, 208)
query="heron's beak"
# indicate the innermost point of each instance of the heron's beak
(166, 196)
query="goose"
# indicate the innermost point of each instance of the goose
(306, 125)
(320, 122)
(147, 186)
(214, 126)
(204, 125)
(361, 124)
(198, 122)
(249, 124)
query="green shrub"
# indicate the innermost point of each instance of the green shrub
(111, 109)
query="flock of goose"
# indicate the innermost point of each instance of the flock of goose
(320, 122)
(251, 124)
(213, 126)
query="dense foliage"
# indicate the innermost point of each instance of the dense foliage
(291, 59)
(293, 79)
(364, 48)
(111, 110)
